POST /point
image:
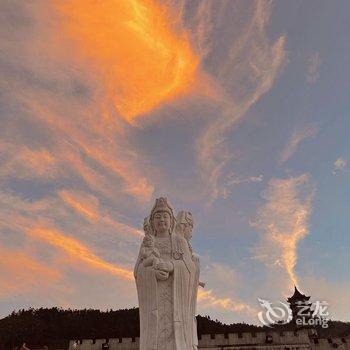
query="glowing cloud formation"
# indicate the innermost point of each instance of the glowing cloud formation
(77, 250)
(88, 207)
(111, 35)
(284, 218)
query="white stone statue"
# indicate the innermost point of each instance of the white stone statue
(166, 274)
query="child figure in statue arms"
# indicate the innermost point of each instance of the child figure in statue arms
(150, 255)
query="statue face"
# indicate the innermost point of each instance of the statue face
(161, 221)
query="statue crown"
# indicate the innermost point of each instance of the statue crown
(162, 205)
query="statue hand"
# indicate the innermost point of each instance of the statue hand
(162, 275)
(165, 266)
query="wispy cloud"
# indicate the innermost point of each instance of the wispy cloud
(86, 205)
(233, 180)
(113, 157)
(26, 163)
(313, 68)
(284, 220)
(298, 135)
(247, 71)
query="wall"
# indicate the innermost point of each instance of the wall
(299, 340)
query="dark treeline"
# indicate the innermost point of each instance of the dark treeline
(54, 327)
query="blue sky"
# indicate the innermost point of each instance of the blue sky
(234, 110)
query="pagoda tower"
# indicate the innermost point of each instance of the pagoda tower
(300, 306)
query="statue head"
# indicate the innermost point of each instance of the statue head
(184, 224)
(162, 219)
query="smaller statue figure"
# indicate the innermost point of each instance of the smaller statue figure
(149, 253)
(184, 227)
(184, 224)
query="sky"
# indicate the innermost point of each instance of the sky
(237, 111)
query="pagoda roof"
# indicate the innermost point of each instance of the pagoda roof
(298, 296)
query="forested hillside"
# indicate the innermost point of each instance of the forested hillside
(55, 326)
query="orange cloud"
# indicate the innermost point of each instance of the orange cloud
(135, 184)
(21, 273)
(85, 205)
(25, 162)
(208, 298)
(88, 206)
(136, 49)
(77, 250)
(23, 216)
(121, 227)
(94, 179)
